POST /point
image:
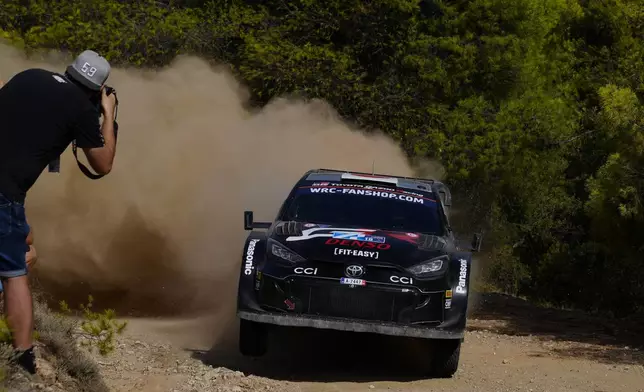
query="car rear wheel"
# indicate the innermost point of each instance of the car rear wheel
(445, 357)
(253, 338)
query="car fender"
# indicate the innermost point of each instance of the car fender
(460, 271)
(253, 254)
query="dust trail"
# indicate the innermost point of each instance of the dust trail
(162, 233)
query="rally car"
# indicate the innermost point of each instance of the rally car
(358, 252)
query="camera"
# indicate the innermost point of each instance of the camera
(97, 101)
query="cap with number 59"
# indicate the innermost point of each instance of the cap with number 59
(90, 69)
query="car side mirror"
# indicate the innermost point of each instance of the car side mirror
(476, 242)
(445, 199)
(249, 224)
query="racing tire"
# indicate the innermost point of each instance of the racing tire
(253, 338)
(445, 356)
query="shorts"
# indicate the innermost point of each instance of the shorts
(13, 238)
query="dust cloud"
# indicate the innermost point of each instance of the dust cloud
(163, 233)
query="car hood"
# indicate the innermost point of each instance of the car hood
(345, 244)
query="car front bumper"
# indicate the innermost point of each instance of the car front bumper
(376, 308)
(352, 325)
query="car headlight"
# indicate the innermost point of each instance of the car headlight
(429, 267)
(284, 253)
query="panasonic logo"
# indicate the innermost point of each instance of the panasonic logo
(461, 277)
(250, 256)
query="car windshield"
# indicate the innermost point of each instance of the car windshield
(365, 206)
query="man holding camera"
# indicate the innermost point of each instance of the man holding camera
(41, 113)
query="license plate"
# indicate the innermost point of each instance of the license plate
(353, 282)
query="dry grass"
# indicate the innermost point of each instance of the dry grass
(70, 368)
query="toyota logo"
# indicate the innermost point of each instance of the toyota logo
(355, 271)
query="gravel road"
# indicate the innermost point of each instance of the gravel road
(510, 346)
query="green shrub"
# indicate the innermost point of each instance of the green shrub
(98, 329)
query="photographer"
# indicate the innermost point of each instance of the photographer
(41, 113)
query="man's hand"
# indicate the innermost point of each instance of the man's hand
(31, 257)
(30, 238)
(108, 104)
(30, 235)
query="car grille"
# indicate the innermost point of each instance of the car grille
(359, 303)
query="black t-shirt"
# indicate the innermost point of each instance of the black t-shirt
(41, 113)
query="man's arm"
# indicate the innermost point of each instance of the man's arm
(102, 158)
(99, 142)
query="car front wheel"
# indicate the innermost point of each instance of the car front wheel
(445, 357)
(253, 338)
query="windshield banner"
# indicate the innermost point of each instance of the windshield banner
(385, 193)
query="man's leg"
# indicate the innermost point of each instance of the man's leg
(19, 310)
(13, 271)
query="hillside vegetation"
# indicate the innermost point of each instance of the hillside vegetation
(534, 107)
(62, 364)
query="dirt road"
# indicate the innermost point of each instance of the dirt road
(510, 346)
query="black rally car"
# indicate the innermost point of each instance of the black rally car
(358, 252)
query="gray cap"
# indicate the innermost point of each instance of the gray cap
(90, 69)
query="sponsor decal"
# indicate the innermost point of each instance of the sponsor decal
(401, 279)
(250, 255)
(289, 304)
(353, 282)
(448, 293)
(357, 244)
(368, 192)
(355, 271)
(448, 303)
(461, 289)
(412, 239)
(258, 280)
(358, 236)
(306, 271)
(355, 252)
(361, 186)
(324, 231)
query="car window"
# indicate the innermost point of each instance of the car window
(365, 206)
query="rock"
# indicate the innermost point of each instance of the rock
(46, 371)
